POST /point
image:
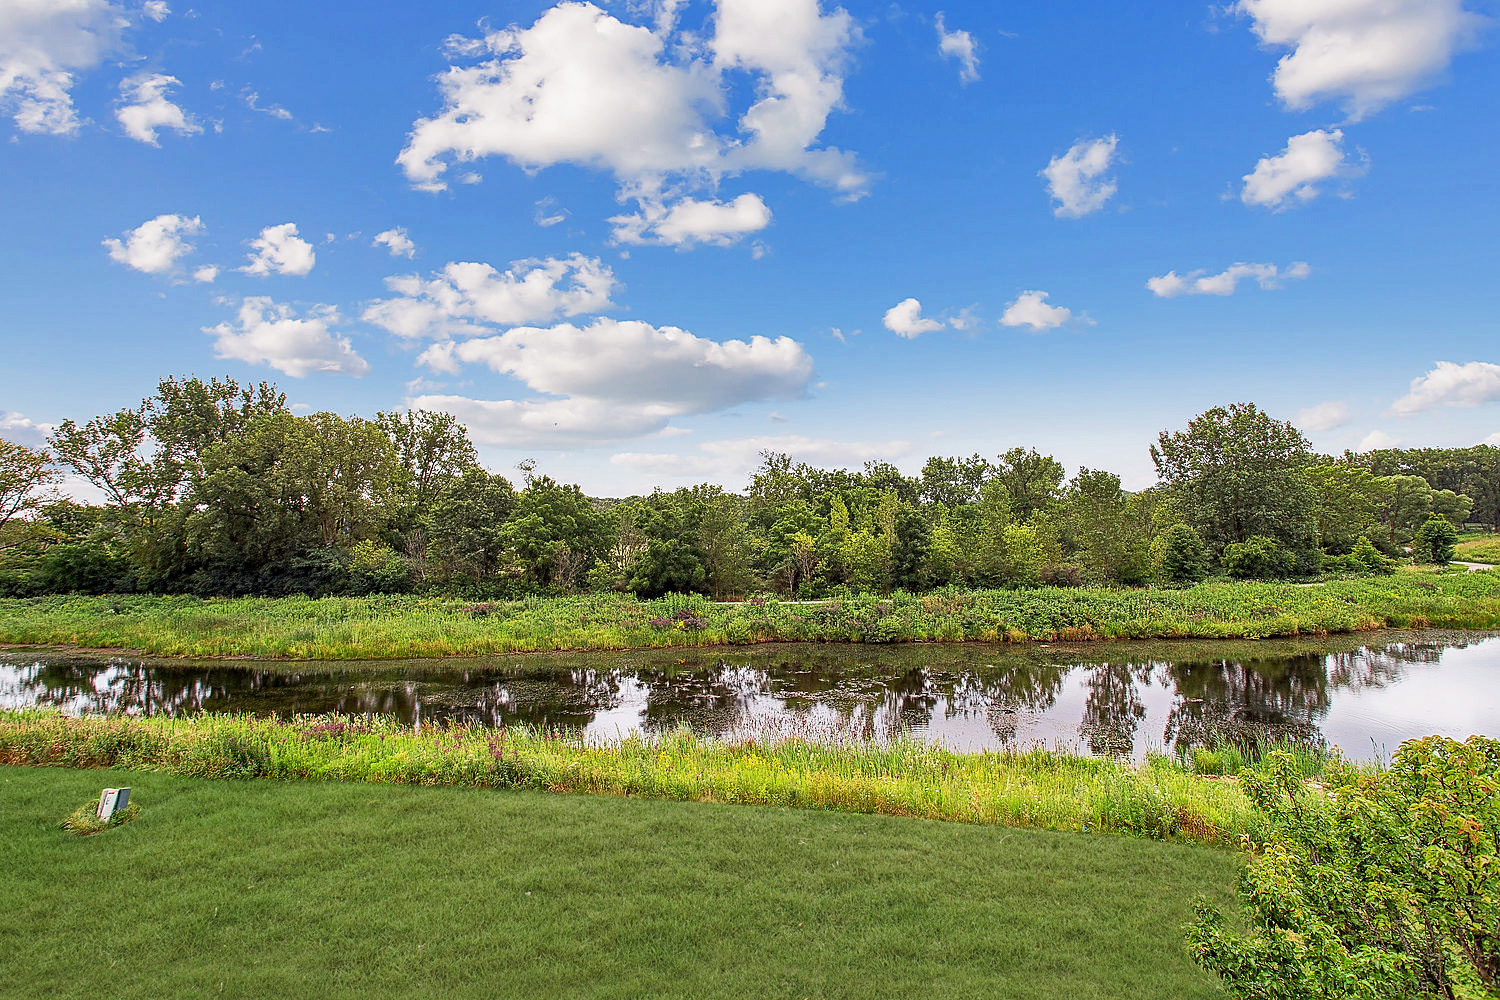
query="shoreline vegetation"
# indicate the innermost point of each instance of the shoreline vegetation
(1163, 799)
(408, 627)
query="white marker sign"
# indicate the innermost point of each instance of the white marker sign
(112, 801)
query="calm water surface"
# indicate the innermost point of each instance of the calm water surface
(1365, 694)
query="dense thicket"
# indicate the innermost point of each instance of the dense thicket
(216, 488)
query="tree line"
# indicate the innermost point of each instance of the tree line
(214, 488)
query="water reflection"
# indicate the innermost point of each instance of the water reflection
(1116, 699)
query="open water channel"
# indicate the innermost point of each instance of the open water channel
(1362, 693)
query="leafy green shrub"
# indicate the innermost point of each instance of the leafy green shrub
(1258, 558)
(1435, 541)
(1381, 885)
(1179, 556)
(1372, 559)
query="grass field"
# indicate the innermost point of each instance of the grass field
(332, 890)
(1479, 548)
(403, 626)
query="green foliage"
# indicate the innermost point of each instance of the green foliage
(217, 489)
(1380, 885)
(1179, 557)
(1364, 558)
(1257, 558)
(1435, 541)
(1238, 473)
(24, 473)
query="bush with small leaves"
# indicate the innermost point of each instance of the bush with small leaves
(1377, 886)
(1435, 541)
(1258, 558)
(1179, 556)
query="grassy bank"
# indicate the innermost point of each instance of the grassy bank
(1034, 789)
(267, 889)
(402, 627)
(1479, 548)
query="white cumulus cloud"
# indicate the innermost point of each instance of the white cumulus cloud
(1376, 440)
(156, 10)
(206, 274)
(270, 333)
(905, 319)
(1364, 53)
(1078, 180)
(1293, 176)
(1201, 282)
(961, 47)
(279, 250)
(581, 86)
(144, 108)
(467, 298)
(1450, 384)
(396, 241)
(690, 221)
(612, 379)
(1032, 309)
(156, 245)
(1323, 417)
(43, 43)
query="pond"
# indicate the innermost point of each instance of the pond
(1362, 693)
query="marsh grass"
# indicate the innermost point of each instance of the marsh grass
(1230, 757)
(1038, 788)
(1478, 548)
(401, 627)
(85, 822)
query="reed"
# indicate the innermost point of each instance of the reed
(1044, 789)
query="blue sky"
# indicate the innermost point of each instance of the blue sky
(640, 242)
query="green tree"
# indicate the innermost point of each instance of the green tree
(1179, 556)
(1033, 481)
(1236, 473)
(1435, 541)
(24, 474)
(465, 524)
(1101, 527)
(1455, 507)
(1407, 502)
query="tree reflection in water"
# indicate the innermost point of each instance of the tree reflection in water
(1250, 691)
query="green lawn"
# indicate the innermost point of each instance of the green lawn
(273, 889)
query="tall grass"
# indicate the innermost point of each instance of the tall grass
(389, 627)
(1481, 549)
(1038, 788)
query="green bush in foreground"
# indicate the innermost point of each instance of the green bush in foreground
(1386, 885)
(1033, 789)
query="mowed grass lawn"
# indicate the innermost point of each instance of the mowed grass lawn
(322, 889)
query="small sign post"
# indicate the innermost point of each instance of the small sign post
(113, 800)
